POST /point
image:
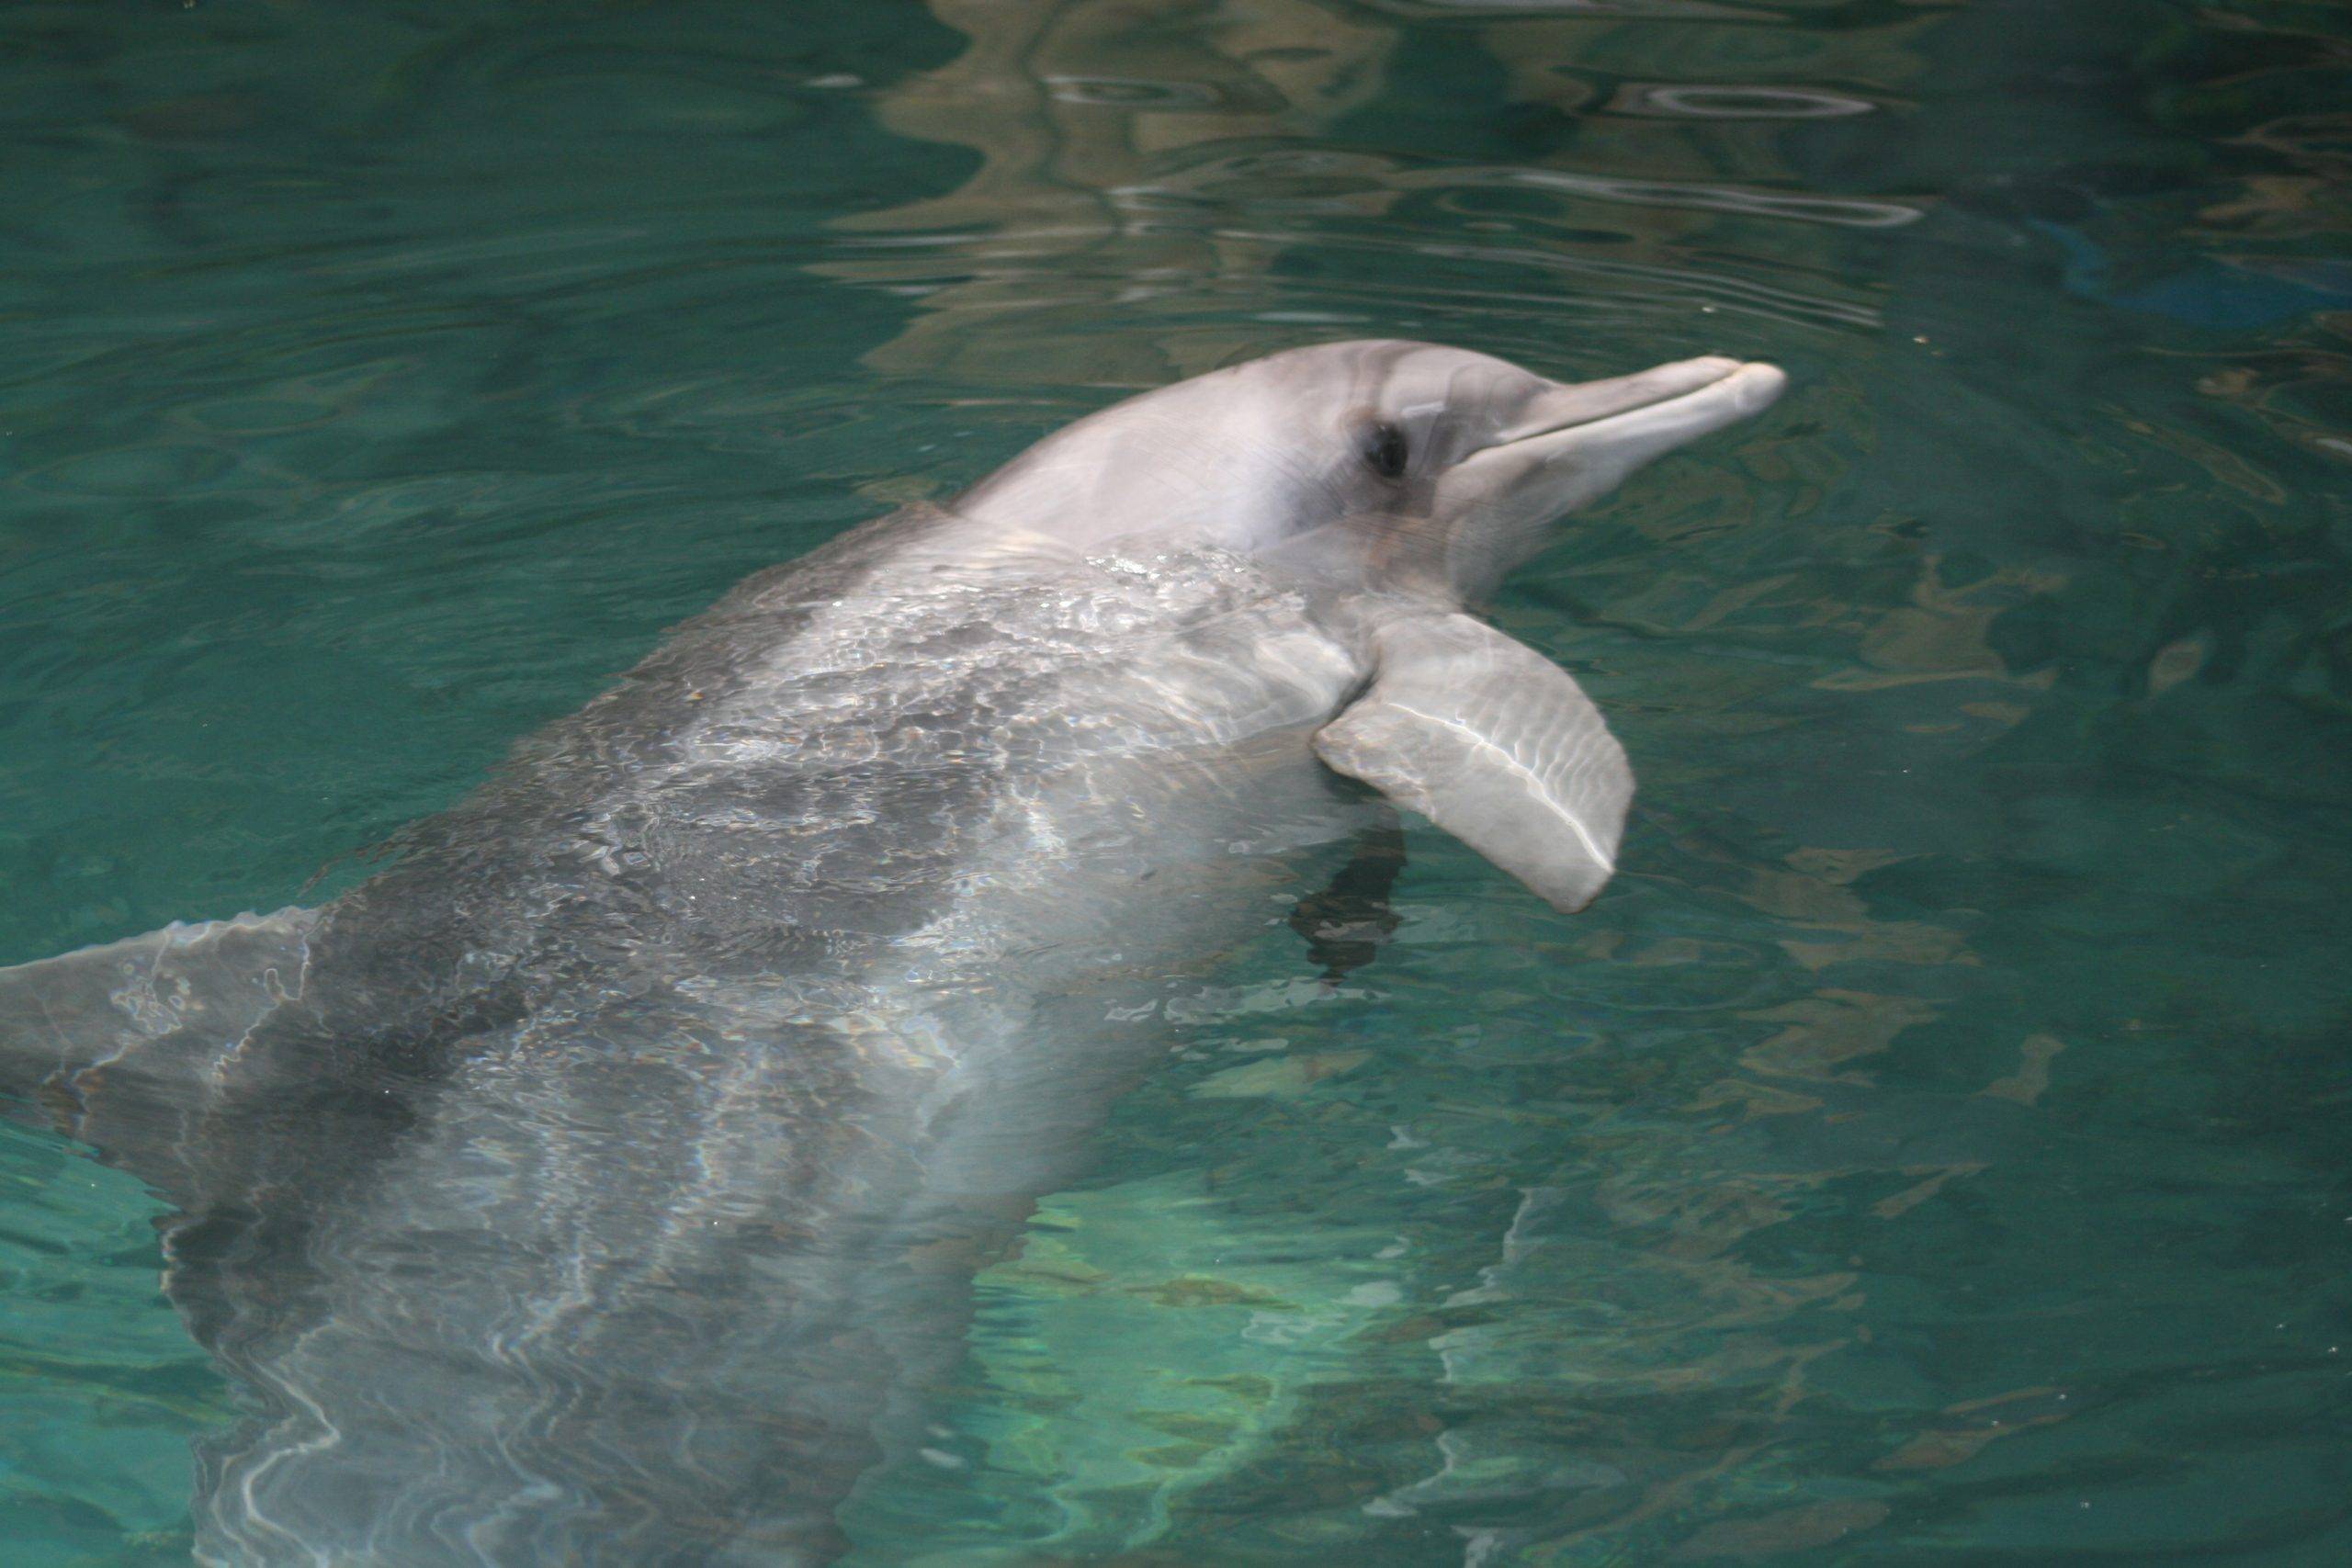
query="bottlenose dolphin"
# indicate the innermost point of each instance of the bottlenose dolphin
(602, 1180)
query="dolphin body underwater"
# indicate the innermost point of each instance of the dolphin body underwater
(604, 1180)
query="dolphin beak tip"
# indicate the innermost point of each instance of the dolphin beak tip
(1753, 384)
(1761, 384)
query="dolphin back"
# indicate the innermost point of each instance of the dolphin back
(121, 1043)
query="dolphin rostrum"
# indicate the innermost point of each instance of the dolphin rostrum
(602, 1181)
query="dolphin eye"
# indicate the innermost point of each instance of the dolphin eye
(1384, 449)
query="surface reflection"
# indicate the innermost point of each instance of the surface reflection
(1073, 106)
(1170, 185)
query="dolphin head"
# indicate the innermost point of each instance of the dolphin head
(1381, 462)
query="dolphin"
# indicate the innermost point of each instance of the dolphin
(602, 1180)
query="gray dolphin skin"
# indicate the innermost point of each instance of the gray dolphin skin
(604, 1180)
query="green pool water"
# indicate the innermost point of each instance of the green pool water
(1936, 1145)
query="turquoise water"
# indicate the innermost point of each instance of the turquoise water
(1933, 1148)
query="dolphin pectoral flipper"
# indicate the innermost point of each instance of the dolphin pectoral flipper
(1495, 744)
(145, 1020)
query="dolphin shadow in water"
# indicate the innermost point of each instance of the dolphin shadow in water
(604, 1180)
(1348, 922)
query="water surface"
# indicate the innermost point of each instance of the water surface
(1935, 1145)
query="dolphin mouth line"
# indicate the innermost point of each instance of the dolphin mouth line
(1692, 398)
